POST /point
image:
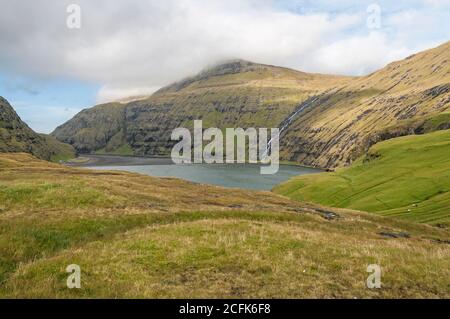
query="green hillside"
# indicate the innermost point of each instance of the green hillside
(406, 177)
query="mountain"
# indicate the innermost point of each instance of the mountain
(405, 97)
(406, 177)
(232, 94)
(16, 136)
(327, 121)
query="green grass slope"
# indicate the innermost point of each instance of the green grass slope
(139, 236)
(406, 177)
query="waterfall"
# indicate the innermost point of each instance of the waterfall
(286, 122)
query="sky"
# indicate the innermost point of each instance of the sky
(57, 59)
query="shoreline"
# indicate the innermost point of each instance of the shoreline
(97, 160)
(92, 160)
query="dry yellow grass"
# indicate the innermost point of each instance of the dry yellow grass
(138, 236)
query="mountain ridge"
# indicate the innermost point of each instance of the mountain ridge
(347, 116)
(17, 136)
(342, 125)
(239, 93)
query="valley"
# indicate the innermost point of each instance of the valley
(234, 94)
(364, 180)
(326, 121)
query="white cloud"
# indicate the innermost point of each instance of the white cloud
(135, 46)
(362, 54)
(110, 93)
(438, 2)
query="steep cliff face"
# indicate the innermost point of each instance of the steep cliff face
(234, 94)
(406, 97)
(16, 136)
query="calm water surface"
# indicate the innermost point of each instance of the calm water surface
(229, 175)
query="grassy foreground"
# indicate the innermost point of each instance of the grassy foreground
(138, 236)
(407, 177)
